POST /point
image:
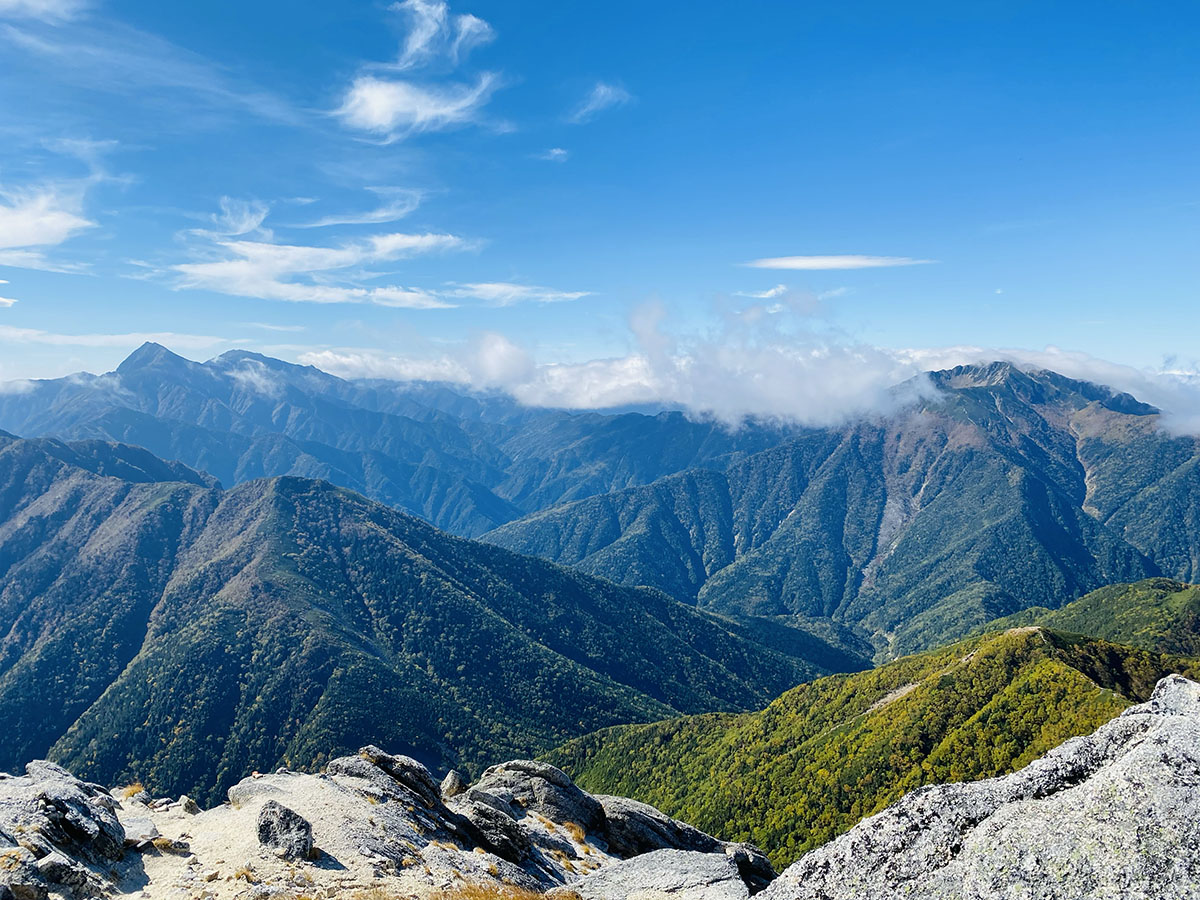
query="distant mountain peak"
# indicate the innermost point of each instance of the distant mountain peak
(978, 375)
(1038, 385)
(152, 355)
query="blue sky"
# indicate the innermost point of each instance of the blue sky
(588, 203)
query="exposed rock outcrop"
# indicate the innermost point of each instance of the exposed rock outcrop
(371, 821)
(57, 833)
(1112, 815)
(663, 875)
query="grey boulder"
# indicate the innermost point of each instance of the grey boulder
(284, 829)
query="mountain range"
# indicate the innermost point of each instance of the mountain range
(260, 582)
(156, 626)
(464, 462)
(1005, 490)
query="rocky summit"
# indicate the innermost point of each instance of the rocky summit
(370, 825)
(1112, 815)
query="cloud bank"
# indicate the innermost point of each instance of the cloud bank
(758, 364)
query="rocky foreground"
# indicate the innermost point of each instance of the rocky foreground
(1112, 815)
(372, 826)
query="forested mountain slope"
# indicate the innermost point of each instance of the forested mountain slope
(827, 754)
(1156, 614)
(155, 626)
(1007, 490)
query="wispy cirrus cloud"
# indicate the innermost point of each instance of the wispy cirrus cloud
(602, 96)
(397, 203)
(9, 334)
(118, 59)
(769, 294)
(39, 217)
(46, 10)
(433, 32)
(235, 217)
(436, 41)
(270, 326)
(33, 219)
(506, 293)
(829, 263)
(300, 273)
(554, 154)
(6, 302)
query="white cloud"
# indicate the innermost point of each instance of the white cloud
(495, 361)
(769, 294)
(602, 96)
(765, 367)
(469, 32)
(39, 218)
(6, 302)
(504, 293)
(758, 370)
(355, 363)
(846, 261)
(434, 33)
(398, 109)
(254, 376)
(554, 154)
(240, 216)
(18, 386)
(13, 335)
(399, 203)
(46, 10)
(302, 273)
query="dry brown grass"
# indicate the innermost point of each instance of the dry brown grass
(130, 789)
(575, 830)
(488, 892)
(467, 891)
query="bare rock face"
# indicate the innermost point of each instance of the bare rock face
(541, 788)
(1112, 815)
(454, 784)
(57, 833)
(632, 828)
(664, 875)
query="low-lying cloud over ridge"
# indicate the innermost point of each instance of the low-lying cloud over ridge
(814, 384)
